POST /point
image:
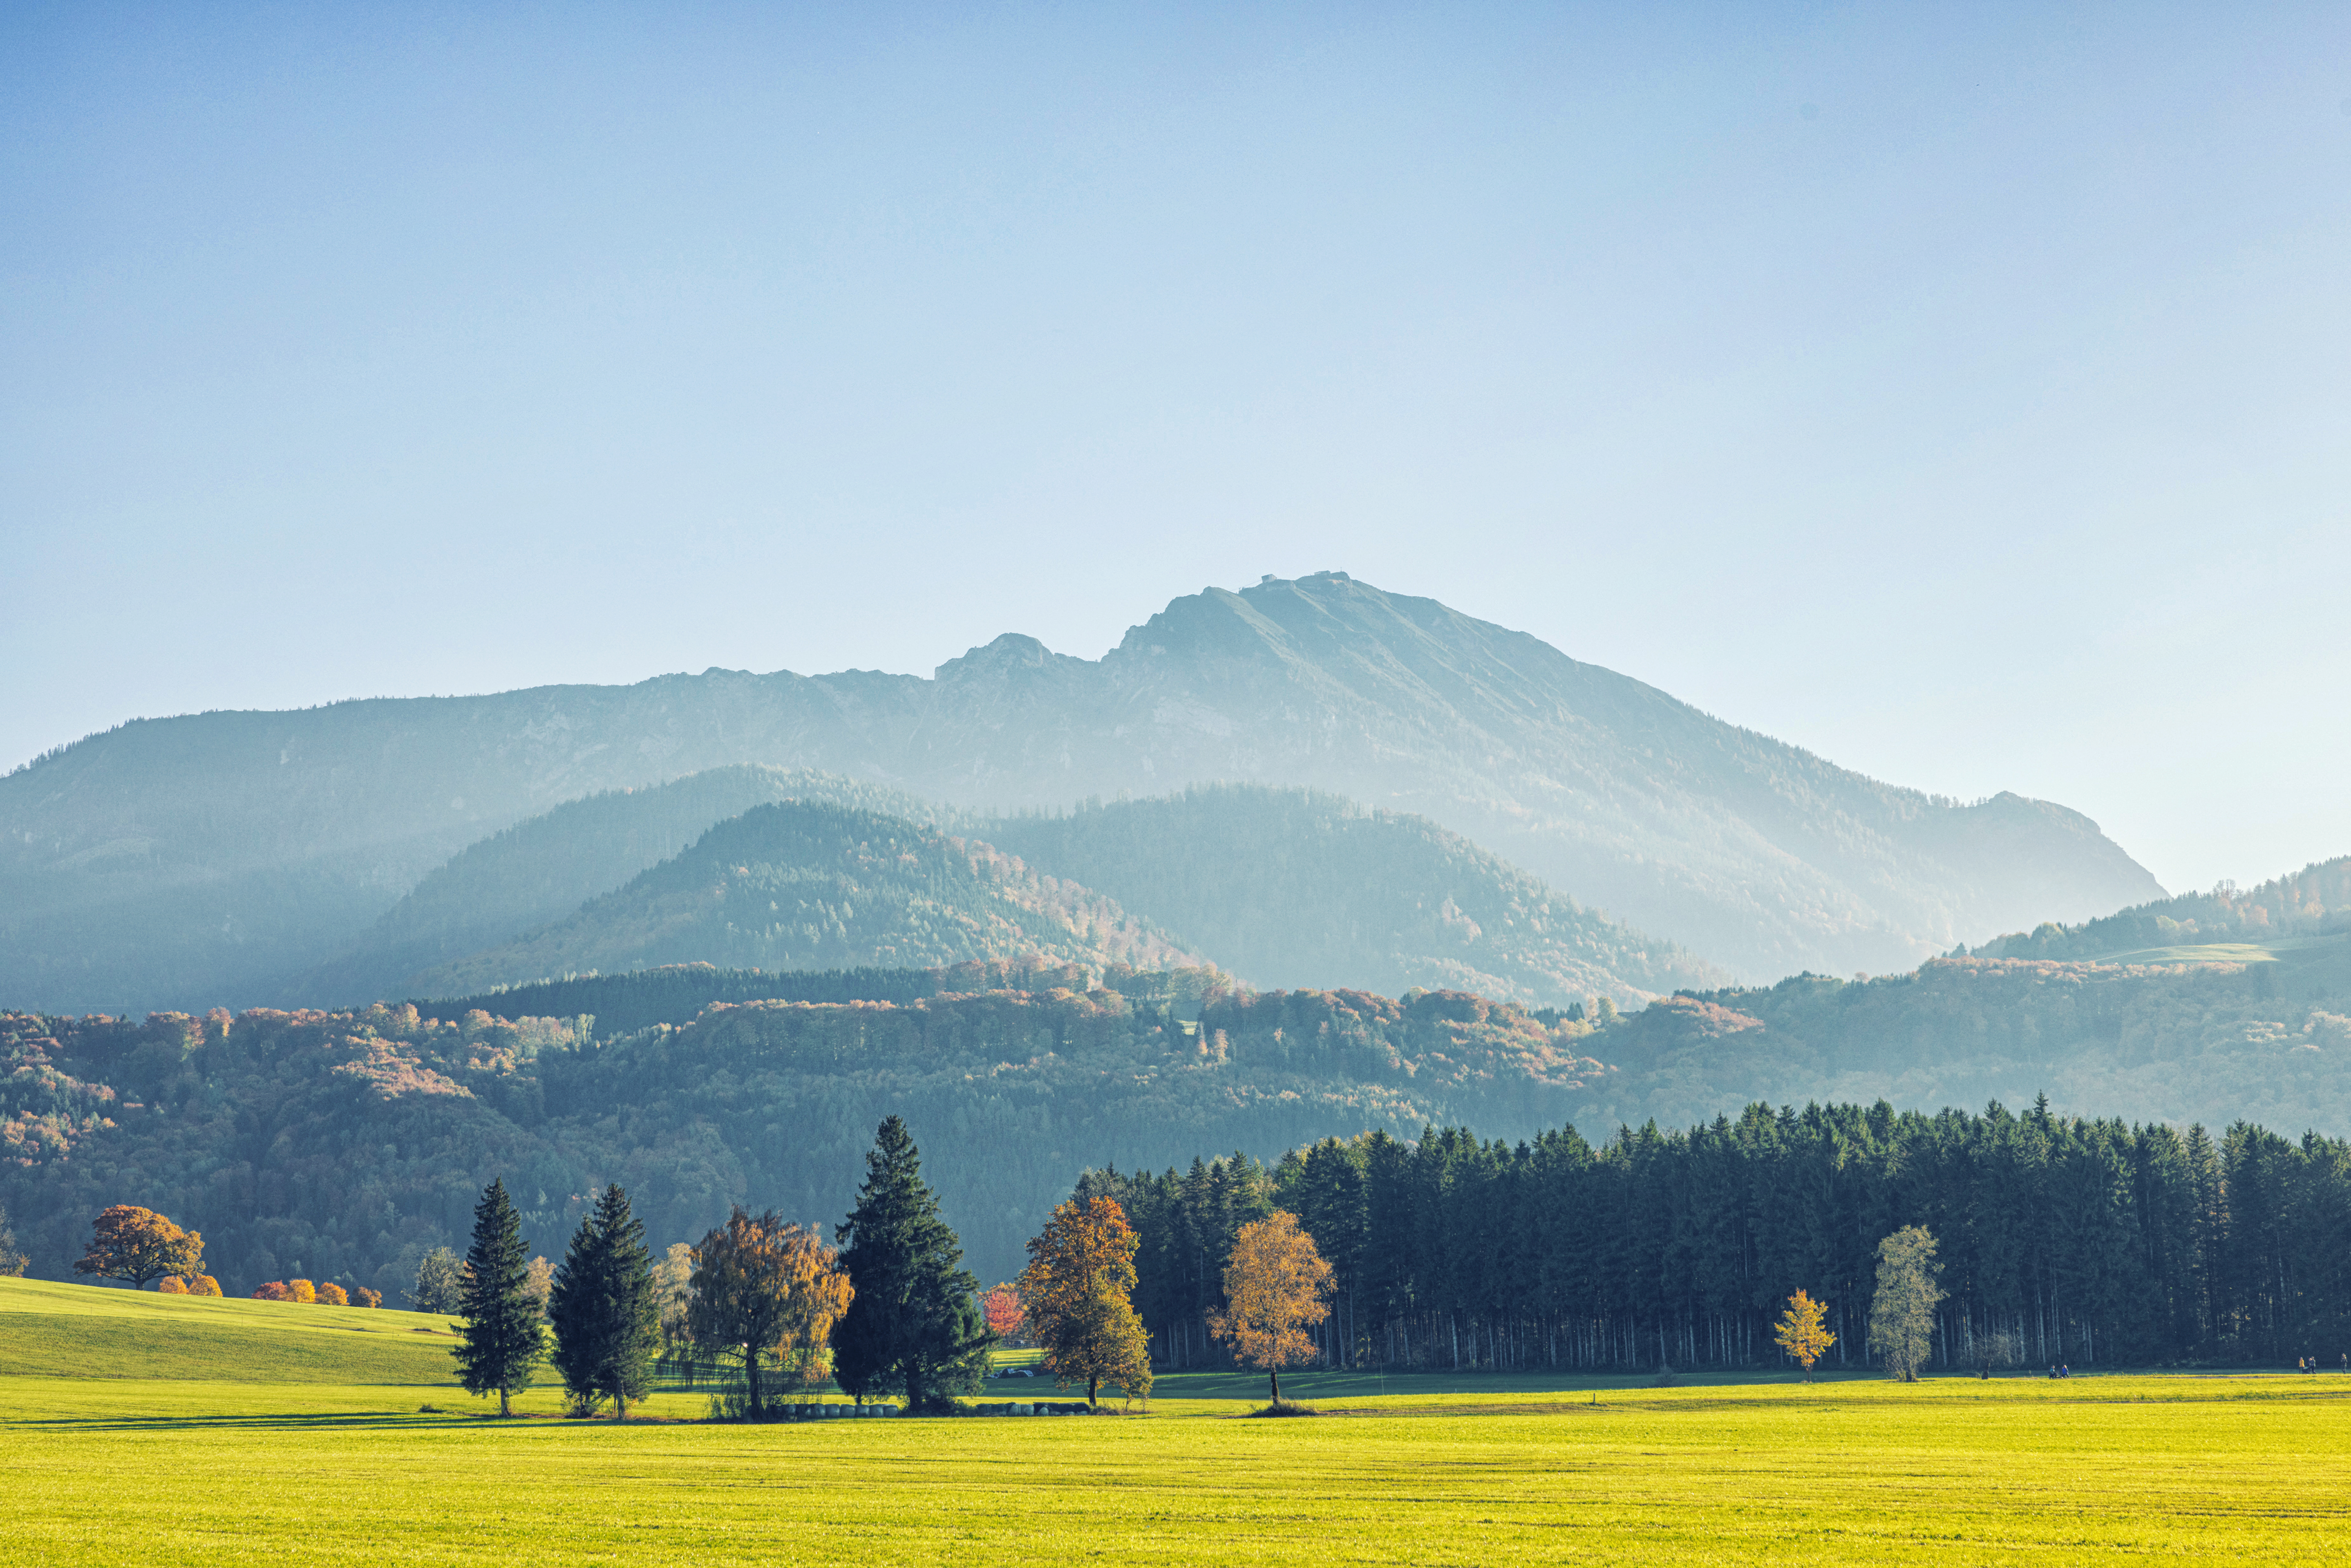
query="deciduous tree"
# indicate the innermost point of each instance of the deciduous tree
(763, 1286)
(1273, 1290)
(12, 1262)
(440, 1284)
(332, 1295)
(1902, 1312)
(172, 1285)
(137, 1244)
(501, 1337)
(363, 1296)
(914, 1320)
(607, 1323)
(1000, 1305)
(1077, 1297)
(1802, 1331)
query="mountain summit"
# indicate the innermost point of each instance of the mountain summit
(206, 853)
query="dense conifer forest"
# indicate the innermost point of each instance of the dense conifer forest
(2061, 1240)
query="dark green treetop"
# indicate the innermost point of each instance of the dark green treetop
(607, 1319)
(915, 1318)
(503, 1339)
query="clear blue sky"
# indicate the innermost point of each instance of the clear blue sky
(1962, 393)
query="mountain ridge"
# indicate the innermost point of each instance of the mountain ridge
(170, 846)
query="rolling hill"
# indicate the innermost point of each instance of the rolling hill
(1294, 889)
(212, 856)
(541, 870)
(800, 884)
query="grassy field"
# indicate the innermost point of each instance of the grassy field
(1422, 1470)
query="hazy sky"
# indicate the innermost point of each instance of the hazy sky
(1962, 394)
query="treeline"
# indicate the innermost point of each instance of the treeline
(677, 994)
(2312, 902)
(2061, 1240)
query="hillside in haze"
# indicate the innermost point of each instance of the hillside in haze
(1287, 888)
(2314, 901)
(1292, 889)
(542, 870)
(217, 853)
(805, 886)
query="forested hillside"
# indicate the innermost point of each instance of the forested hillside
(214, 855)
(1295, 888)
(2084, 1242)
(538, 871)
(2312, 902)
(340, 1145)
(677, 994)
(803, 885)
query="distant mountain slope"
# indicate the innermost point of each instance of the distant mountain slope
(169, 847)
(540, 871)
(1293, 889)
(803, 885)
(2312, 902)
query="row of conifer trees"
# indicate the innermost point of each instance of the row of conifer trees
(893, 1301)
(2060, 1240)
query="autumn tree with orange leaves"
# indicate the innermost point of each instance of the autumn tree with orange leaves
(1802, 1331)
(763, 1286)
(1273, 1290)
(1000, 1305)
(138, 1244)
(1077, 1297)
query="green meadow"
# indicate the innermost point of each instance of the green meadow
(137, 1429)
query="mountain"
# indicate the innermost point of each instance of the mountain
(801, 884)
(1293, 889)
(216, 853)
(1287, 888)
(541, 870)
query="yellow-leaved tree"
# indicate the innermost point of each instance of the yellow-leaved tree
(1076, 1300)
(1273, 1290)
(762, 1286)
(1802, 1331)
(128, 1242)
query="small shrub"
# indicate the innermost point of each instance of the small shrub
(332, 1295)
(363, 1296)
(301, 1291)
(1286, 1407)
(170, 1285)
(275, 1290)
(203, 1285)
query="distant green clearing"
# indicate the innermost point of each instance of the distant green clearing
(86, 1330)
(1473, 1470)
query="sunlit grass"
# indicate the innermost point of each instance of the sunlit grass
(1453, 1469)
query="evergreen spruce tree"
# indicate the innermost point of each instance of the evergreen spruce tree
(503, 1340)
(916, 1318)
(607, 1318)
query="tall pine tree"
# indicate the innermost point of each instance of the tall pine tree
(607, 1319)
(915, 1318)
(503, 1340)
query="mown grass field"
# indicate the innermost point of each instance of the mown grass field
(1430, 1471)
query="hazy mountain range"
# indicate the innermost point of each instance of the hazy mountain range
(216, 856)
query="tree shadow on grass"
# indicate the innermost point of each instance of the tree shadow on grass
(262, 1421)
